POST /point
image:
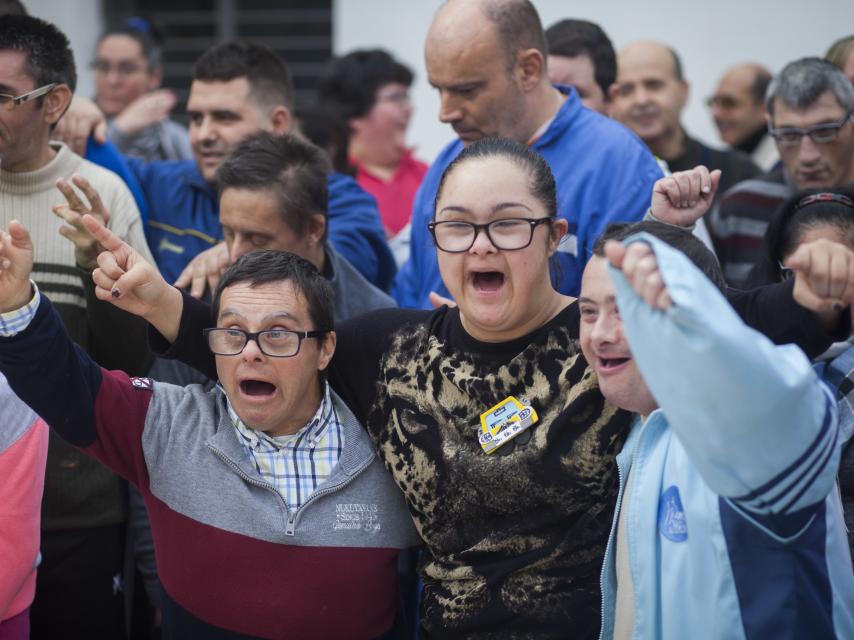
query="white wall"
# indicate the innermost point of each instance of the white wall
(81, 21)
(709, 36)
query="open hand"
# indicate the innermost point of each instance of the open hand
(86, 248)
(204, 270)
(16, 264)
(640, 266)
(148, 109)
(684, 197)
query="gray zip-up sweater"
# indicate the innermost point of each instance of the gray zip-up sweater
(231, 555)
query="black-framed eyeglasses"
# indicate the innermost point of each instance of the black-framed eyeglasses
(785, 272)
(276, 343)
(9, 102)
(509, 234)
(791, 137)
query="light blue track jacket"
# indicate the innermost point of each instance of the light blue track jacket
(734, 521)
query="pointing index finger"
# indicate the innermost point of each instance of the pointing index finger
(109, 240)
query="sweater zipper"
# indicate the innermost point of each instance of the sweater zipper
(253, 481)
(292, 516)
(290, 525)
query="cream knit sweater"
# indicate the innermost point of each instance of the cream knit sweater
(78, 491)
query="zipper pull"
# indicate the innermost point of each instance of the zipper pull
(289, 529)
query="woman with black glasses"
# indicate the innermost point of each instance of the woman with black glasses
(488, 416)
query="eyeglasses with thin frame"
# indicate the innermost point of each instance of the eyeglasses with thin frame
(9, 102)
(276, 343)
(508, 234)
(791, 137)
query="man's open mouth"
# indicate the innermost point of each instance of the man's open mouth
(257, 388)
(607, 364)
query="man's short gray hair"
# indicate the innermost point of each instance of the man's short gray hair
(518, 25)
(803, 81)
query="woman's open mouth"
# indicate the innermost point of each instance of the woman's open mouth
(487, 281)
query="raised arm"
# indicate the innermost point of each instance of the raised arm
(16, 265)
(27, 371)
(806, 310)
(131, 283)
(89, 407)
(117, 339)
(755, 420)
(86, 248)
(148, 109)
(189, 346)
(824, 279)
(682, 198)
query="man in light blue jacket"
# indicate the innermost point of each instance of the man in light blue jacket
(728, 522)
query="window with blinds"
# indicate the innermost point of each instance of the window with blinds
(299, 30)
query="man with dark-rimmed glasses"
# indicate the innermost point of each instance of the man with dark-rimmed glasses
(809, 106)
(272, 514)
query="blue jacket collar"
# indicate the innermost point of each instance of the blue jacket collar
(192, 176)
(564, 117)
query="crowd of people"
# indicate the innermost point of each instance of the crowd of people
(273, 376)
